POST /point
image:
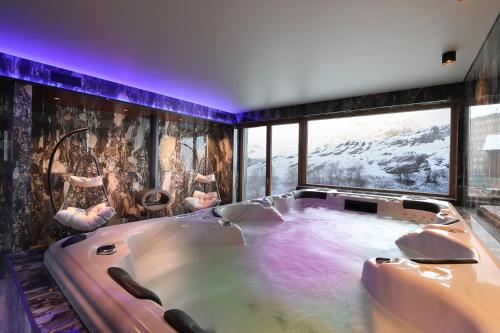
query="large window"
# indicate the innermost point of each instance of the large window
(398, 151)
(285, 158)
(254, 162)
(484, 152)
(404, 151)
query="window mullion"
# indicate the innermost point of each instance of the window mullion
(269, 155)
(302, 153)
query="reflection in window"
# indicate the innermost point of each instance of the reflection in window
(484, 152)
(285, 151)
(404, 151)
(254, 163)
(186, 153)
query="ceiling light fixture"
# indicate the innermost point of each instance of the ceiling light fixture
(449, 57)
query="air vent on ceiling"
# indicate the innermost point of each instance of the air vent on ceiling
(66, 79)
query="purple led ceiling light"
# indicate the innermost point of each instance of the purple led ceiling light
(32, 71)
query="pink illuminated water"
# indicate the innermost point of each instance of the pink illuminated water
(302, 275)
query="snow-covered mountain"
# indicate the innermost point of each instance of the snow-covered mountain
(405, 160)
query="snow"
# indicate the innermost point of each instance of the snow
(477, 111)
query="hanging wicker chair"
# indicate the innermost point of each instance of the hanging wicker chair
(205, 189)
(86, 205)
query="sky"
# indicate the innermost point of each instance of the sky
(484, 110)
(373, 127)
(334, 131)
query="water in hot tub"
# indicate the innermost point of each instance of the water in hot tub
(302, 275)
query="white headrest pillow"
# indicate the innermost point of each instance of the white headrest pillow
(196, 203)
(205, 179)
(85, 181)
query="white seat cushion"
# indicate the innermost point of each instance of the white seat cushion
(85, 219)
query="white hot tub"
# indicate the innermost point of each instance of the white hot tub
(307, 261)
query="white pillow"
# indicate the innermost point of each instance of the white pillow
(198, 195)
(210, 202)
(97, 208)
(86, 181)
(193, 202)
(205, 179)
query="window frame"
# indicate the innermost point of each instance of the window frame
(302, 149)
(241, 159)
(269, 143)
(270, 154)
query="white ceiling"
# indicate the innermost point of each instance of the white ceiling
(239, 55)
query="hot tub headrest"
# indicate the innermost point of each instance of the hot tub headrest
(182, 322)
(73, 240)
(129, 284)
(421, 205)
(310, 194)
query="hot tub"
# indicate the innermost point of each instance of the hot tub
(306, 261)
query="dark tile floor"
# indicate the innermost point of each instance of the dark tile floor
(13, 316)
(49, 311)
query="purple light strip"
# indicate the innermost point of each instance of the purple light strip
(32, 71)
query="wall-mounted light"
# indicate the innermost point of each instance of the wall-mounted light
(125, 110)
(449, 57)
(57, 99)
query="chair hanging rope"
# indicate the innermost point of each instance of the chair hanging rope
(51, 161)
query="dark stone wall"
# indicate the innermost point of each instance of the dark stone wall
(122, 143)
(425, 95)
(6, 102)
(220, 150)
(176, 160)
(22, 192)
(182, 146)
